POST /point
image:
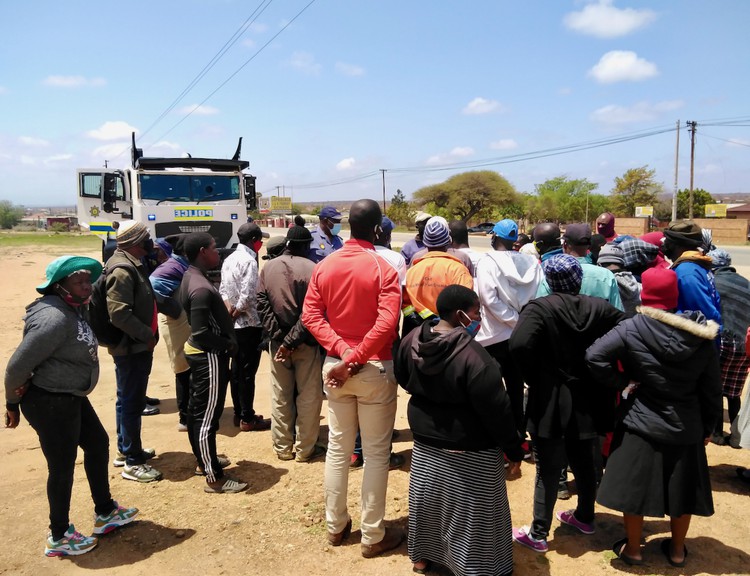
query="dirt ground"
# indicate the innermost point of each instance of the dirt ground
(277, 526)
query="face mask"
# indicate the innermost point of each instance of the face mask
(472, 327)
(71, 299)
(335, 229)
(257, 245)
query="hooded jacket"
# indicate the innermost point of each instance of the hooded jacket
(673, 359)
(457, 399)
(696, 286)
(548, 346)
(58, 352)
(630, 291)
(505, 281)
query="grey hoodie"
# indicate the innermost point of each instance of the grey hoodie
(58, 352)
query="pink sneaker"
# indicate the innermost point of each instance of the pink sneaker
(568, 517)
(524, 538)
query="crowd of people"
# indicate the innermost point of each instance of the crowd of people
(601, 354)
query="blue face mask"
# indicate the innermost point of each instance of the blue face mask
(335, 229)
(472, 328)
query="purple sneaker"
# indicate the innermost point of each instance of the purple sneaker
(568, 517)
(524, 538)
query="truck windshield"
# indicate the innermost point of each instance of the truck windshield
(188, 187)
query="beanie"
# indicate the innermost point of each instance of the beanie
(659, 288)
(298, 234)
(436, 233)
(611, 254)
(131, 233)
(685, 233)
(563, 273)
(274, 247)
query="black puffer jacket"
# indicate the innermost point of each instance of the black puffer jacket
(673, 359)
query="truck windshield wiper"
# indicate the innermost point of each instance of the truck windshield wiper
(207, 197)
(182, 199)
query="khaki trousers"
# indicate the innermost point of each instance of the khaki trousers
(366, 401)
(296, 399)
(175, 332)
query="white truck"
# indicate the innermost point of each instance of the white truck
(169, 195)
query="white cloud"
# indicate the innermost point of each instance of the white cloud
(622, 66)
(198, 110)
(305, 62)
(504, 144)
(603, 20)
(164, 146)
(57, 158)
(112, 130)
(249, 43)
(345, 164)
(35, 142)
(349, 69)
(72, 81)
(448, 157)
(482, 106)
(639, 112)
(118, 150)
(27, 160)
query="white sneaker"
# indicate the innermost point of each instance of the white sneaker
(141, 473)
(121, 459)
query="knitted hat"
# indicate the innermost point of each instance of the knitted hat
(506, 229)
(436, 233)
(685, 233)
(611, 254)
(638, 254)
(563, 273)
(131, 233)
(720, 257)
(578, 235)
(62, 267)
(298, 234)
(659, 288)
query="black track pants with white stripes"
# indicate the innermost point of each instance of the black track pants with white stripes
(209, 376)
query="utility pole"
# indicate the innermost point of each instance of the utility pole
(676, 165)
(692, 126)
(278, 190)
(105, 163)
(383, 172)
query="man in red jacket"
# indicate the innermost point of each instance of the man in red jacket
(352, 310)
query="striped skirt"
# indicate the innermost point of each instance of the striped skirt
(458, 511)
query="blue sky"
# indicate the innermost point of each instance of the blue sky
(351, 87)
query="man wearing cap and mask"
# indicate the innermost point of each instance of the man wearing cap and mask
(695, 279)
(131, 305)
(325, 238)
(430, 273)
(296, 387)
(415, 244)
(506, 281)
(597, 281)
(239, 285)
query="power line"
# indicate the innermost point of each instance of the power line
(726, 140)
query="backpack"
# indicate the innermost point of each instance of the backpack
(98, 317)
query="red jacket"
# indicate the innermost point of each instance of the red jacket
(353, 301)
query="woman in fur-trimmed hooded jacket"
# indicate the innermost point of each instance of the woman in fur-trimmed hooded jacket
(671, 402)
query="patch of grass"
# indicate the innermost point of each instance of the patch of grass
(70, 240)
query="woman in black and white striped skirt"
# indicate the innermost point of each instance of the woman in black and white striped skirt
(462, 422)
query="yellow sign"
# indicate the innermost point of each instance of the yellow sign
(281, 203)
(716, 210)
(643, 211)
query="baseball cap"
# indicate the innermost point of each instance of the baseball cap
(578, 234)
(506, 229)
(330, 212)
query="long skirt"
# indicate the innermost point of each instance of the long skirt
(458, 511)
(646, 478)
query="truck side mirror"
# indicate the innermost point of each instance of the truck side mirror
(109, 193)
(251, 199)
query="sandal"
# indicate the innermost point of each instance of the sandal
(230, 486)
(223, 463)
(666, 549)
(619, 547)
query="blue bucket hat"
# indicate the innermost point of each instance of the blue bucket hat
(62, 267)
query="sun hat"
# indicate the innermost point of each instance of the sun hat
(563, 273)
(62, 267)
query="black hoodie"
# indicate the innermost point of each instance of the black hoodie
(458, 401)
(548, 346)
(674, 360)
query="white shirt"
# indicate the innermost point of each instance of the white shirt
(239, 285)
(394, 259)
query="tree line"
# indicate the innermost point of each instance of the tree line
(486, 195)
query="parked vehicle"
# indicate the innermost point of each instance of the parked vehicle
(483, 228)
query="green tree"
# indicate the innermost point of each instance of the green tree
(297, 208)
(700, 199)
(635, 188)
(10, 215)
(564, 200)
(401, 211)
(470, 195)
